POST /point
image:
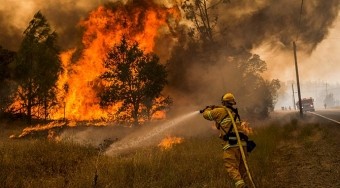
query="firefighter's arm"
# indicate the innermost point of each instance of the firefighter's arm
(208, 113)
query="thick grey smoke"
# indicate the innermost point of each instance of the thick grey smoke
(242, 24)
(249, 23)
(63, 16)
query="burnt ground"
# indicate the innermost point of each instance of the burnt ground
(309, 156)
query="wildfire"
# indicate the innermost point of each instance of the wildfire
(47, 127)
(168, 142)
(50, 128)
(246, 128)
(104, 28)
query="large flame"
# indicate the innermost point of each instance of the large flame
(103, 29)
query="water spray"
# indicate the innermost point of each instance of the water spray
(129, 143)
(102, 147)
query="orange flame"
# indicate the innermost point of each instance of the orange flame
(168, 142)
(103, 29)
(47, 127)
(246, 128)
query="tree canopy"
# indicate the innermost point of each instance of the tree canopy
(204, 17)
(37, 68)
(6, 82)
(206, 60)
(134, 78)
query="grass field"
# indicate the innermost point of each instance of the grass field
(197, 162)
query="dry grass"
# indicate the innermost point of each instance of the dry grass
(197, 162)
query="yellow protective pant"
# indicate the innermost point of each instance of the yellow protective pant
(235, 166)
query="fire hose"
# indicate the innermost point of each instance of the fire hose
(241, 148)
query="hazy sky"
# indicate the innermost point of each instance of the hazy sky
(322, 65)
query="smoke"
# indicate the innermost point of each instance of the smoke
(265, 27)
(63, 16)
(147, 135)
(126, 138)
(251, 23)
(94, 135)
(241, 24)
(270, 27)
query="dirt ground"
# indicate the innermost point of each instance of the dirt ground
(309, 157)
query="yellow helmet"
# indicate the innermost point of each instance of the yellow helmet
(228, 97)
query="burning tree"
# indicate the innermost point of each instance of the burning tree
(134, 78)
(37, 68)
(203, 15)
(6, 57)
(210, 55)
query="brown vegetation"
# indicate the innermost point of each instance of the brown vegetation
(298, 153)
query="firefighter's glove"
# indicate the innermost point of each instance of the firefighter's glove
(210, 106)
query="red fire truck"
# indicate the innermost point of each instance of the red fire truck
(307, 104)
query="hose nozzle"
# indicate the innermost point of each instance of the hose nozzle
(210, 106)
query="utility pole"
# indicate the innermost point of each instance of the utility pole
(297, 80)
(293, 97)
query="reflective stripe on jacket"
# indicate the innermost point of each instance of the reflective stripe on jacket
(221, 118)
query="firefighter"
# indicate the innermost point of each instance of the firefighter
(231, 150)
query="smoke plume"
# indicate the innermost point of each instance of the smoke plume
(243, 24)
(63, 16)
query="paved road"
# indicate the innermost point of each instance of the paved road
(328, 114)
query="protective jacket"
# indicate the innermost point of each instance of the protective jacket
(223, 123)
(233, 157)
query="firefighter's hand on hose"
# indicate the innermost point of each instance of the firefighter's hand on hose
(201, 111)
(210, 106)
